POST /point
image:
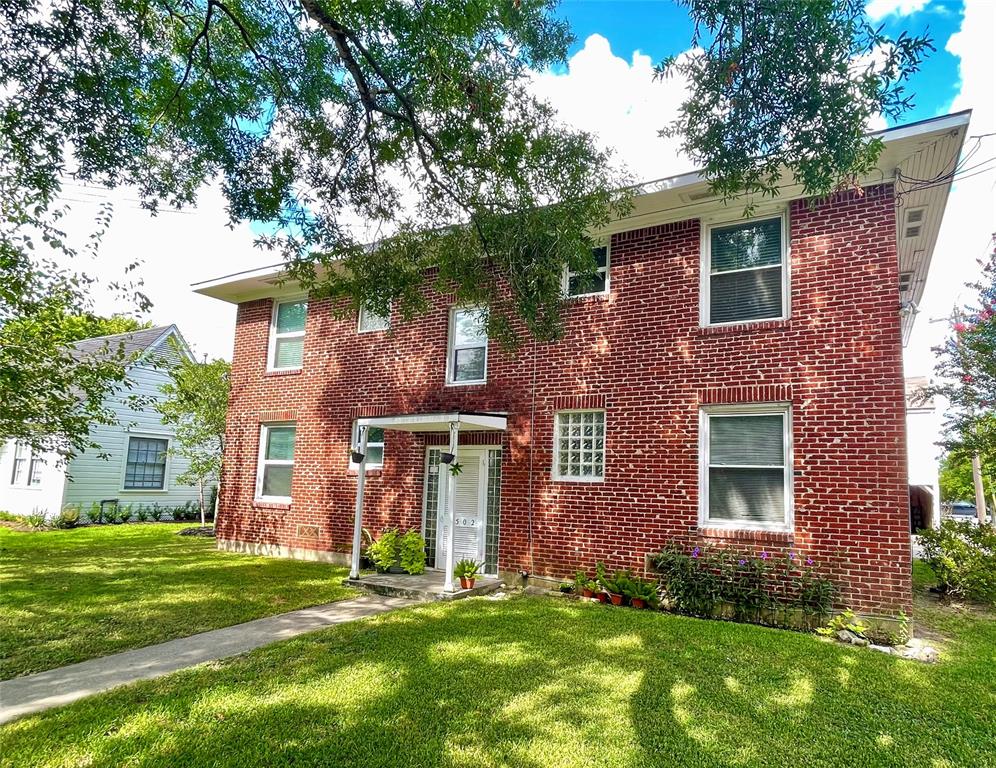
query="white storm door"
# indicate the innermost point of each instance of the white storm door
(470, 508)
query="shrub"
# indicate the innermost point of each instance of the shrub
(69, 517)
(412, 552)
(10, 517)
(95, 514)
(844, 620)
(141, 513)
(645, 591)
(156, 513)
(963, 557)
(112, 513)
(37, 519)
(384, 551)
(753, 589)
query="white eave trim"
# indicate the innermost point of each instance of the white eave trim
(437, 422)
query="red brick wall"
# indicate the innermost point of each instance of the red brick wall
(641, 354)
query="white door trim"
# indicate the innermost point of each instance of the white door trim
(464, 454)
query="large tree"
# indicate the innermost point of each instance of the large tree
(415, 118)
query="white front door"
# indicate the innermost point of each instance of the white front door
(470, 508)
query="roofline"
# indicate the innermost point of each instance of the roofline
(688, 178)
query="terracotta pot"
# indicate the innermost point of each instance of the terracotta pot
(637, 602)
(586, 593)
(616, 599)
(602, 597)
(466, 583)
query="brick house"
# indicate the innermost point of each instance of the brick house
(723, 382)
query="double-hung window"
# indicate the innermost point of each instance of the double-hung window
(22, 454)
(371, 321)
(746, 467)
(145, 466)
(287, 335)
(745, 272)
(585, 284)
(375, 447)
(467, 357)
(579, 446)
(276, 462)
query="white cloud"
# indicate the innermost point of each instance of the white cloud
(620, 102)
(970, 217)
(879, 9)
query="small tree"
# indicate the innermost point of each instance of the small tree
(966, 369)
(195, 406)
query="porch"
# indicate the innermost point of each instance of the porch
(425, 587)
(458, 479)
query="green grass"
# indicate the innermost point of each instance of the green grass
(540, 682)
(66, 596)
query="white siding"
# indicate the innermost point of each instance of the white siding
(22, 499)
(92, 478)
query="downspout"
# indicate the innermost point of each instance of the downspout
(532, 443)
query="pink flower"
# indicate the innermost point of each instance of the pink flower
(959, 327)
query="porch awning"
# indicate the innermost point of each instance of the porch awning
(437, 422)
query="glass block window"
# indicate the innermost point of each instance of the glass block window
(371, 321)
(468, 347)
(375, 447)
(583, 284)
(287, 335)
(494, 511)
(746, 272)
(430, 509)
(579, 446)
(146, 467)
(276, 462)
(746, 464)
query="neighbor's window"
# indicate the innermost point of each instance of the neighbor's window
(35, 469)
(580, 284)
(21, 457)
(371, 321)
(746, 272)
(579, 445)
(468, 348)
(276, 462)
(146, 466)
(375, 446)
(746, 475)
(287, 335)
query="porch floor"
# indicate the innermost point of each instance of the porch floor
(425, 587)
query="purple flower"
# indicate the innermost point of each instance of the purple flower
(809, 561)
(765, 555)
(695, 552)
(741, 562)
(791, 555)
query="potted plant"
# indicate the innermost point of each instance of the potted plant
(583, 585)
(617, 585)
(385, 552)
(643, 594)
(411, 552)
(466, 571)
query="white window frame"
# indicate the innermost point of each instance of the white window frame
(366, 313)
(452, 349)
(262, 461)
(355, 440)
(565, 279)
(555, 471)
(166, 470)
(21, 453)
(271, 352)
(705, 268)
(746, 409)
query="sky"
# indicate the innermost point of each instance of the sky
(607, 88)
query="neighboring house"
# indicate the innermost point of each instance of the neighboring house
(137, 469)
(724, 382)
(923, 430)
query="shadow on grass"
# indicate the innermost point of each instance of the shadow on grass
(536, 682)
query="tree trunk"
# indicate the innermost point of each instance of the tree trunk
(980, 496)
(200, 493)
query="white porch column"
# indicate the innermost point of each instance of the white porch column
(450, 506)
(361, 481)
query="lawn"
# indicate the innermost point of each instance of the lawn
(537, 681)
(66, 596)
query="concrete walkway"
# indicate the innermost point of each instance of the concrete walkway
(55, 687)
